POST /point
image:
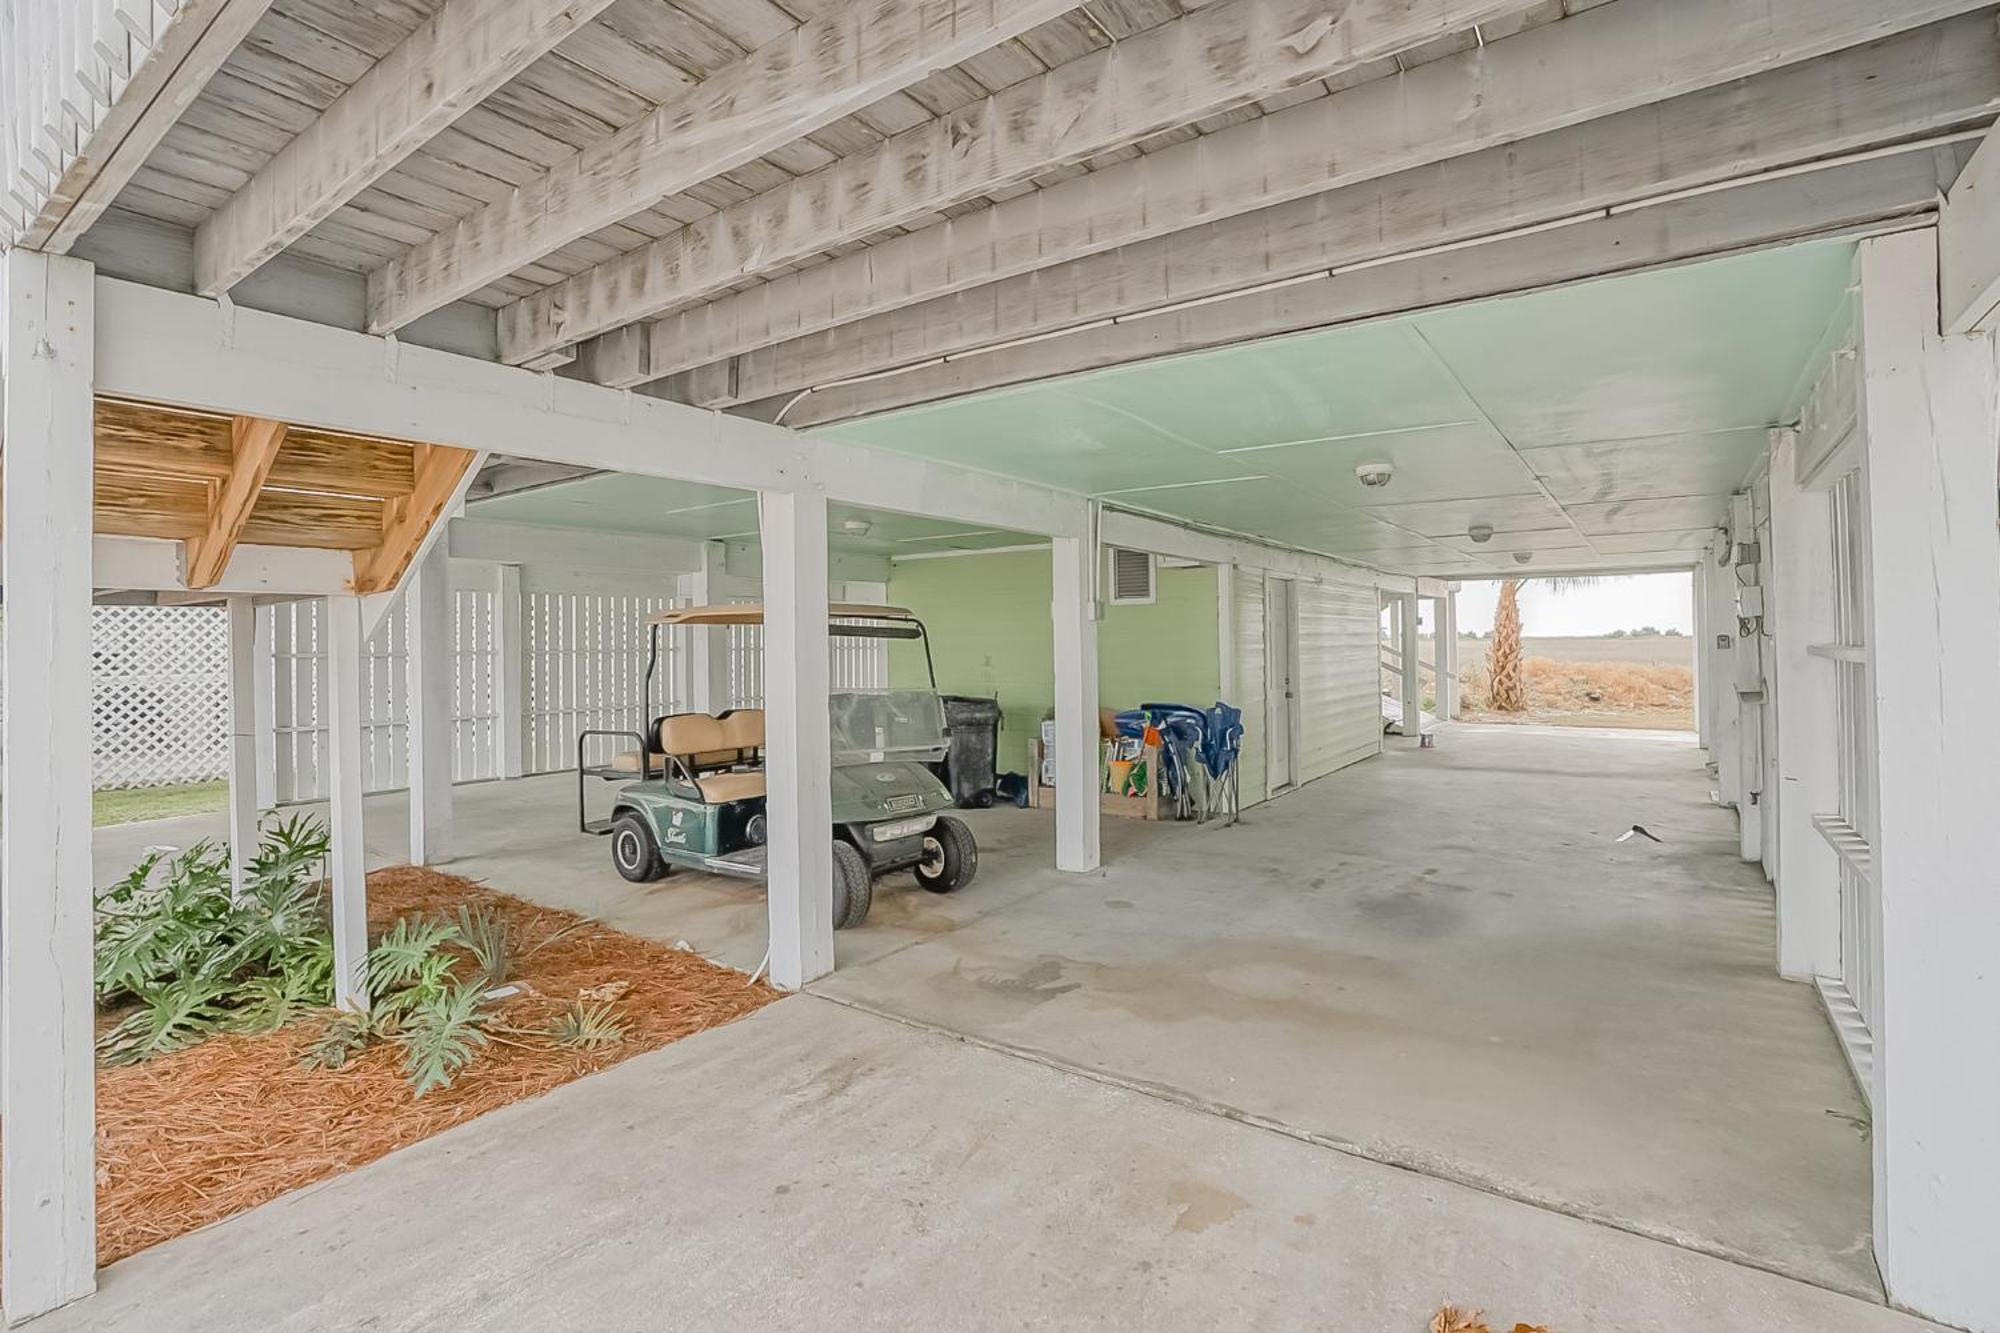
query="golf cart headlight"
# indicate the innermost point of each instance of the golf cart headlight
(903, 828)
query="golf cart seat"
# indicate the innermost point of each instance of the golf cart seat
(713, 753)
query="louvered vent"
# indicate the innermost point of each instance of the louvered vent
(1131, 576)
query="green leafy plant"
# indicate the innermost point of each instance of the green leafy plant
(484, 935)
(582, 1026)
(442, 1034)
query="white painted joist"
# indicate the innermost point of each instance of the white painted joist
(187, 50)
(1632, 54)
(460, 55)
(1214, 59)
(184, 350)
(1836, 200)
(836, 64)
(1918, 83)
(1969, 245)
(157, 564)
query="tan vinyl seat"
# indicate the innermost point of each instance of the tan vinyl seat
(710, 746)
(721, 788)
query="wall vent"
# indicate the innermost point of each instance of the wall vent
(1131, 577)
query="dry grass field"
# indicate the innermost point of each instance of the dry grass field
(1598, 682)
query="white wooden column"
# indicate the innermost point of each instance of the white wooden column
(1413, 667)
(1718, 640)
(245, 805)
(348, 866)
(1225, 633)
(1800, 609)
(799, 761)
(706, 649)
(1698, 618)
(510, 673)
(1074, 605)
(1446, 652)
(1928, 466)
(430, 671)
(48, 1212)
(264, 706)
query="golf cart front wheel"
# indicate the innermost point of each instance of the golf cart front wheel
(633, 851)
(951, 857)
(853, 887)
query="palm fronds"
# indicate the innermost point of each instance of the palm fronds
(582, 1026)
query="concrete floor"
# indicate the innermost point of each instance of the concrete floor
(1439, 960)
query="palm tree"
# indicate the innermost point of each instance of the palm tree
(1507, 691)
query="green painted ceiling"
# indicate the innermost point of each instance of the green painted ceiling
(1601, 424)
(652, 505)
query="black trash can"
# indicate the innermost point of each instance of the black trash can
(968, 770)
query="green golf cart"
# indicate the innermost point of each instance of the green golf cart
(698, 799)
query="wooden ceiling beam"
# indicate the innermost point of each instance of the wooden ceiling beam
(406, 522)
(254, 442)
(1617, 58)
(838, 63)
(461, 55)
(1908, 87)
(1209, 61)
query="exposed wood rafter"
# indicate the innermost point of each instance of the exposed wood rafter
(441, 472)
(461, 55)
(1210, 61)
(836, 64)
(1616, 57)
(255, 443)
(1916, 84)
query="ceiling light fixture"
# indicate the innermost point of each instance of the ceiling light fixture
(1481, 533)
(1374, 475)
(1523, 557)
(856, 527)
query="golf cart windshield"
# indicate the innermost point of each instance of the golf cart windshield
(871, 726)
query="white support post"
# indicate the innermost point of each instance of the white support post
(1800, 607)
(348, 865)
(244, 796)
(1446, 652)
(1225, 633)
(510, 674)
(1413, 668)
(48, 1211)
(430, 672)
(1698, 619)
(799, 758)
(1718, 648)
(706, 648)
(264, 706)
(1929, 458)
(1074, 605)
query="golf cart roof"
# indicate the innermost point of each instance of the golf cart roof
(752, 613)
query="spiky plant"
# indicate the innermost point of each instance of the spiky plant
(484, 934)
(582, 1026)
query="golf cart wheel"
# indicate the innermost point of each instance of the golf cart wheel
(951, 857)
(853, 888)
(633, 851)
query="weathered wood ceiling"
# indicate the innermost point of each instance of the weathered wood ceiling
(304, 53)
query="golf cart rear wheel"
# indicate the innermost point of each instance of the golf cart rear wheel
(633, 851)
(853, 888)
(951, 857)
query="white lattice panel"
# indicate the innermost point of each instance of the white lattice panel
(746, 666)
(859, 664)
(159, 695)
(299, 675)
(585, 670)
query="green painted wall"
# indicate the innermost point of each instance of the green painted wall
(988, 618)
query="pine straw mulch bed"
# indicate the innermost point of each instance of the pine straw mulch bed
(199, 1135)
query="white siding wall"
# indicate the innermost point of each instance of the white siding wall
(1251, 779)
(1339, 695)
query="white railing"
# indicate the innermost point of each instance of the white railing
(63, 65)
(584, 658)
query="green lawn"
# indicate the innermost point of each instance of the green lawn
(131, 805)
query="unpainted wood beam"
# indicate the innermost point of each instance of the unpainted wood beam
(255, 442)
(407, 521)
(1212, 60)
(838, 63)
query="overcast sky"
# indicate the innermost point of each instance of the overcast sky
(1634, 600)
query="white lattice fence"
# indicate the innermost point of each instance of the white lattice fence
(746, 666)
(298, 715)
(159, 695)
(476, 691)
(585, 663)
